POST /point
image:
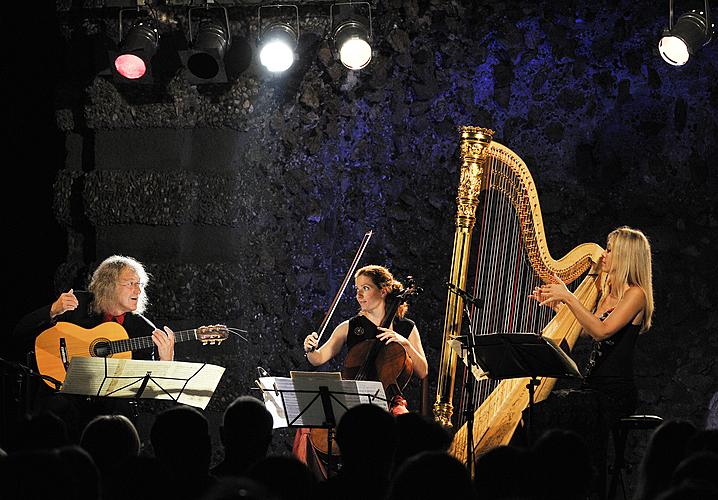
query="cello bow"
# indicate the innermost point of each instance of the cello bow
(355, 262)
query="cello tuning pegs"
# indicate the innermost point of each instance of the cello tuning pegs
(412, 285)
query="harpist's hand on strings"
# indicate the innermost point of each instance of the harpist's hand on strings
(552, 294)
(65, 302)
(388, 336)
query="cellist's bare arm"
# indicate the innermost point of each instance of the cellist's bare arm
(330, 348)
(421, 366)
(412, 345)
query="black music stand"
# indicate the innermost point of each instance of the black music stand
(192, 384)
(519, 355)
(316, 399)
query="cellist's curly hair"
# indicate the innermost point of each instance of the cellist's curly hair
(385, 281)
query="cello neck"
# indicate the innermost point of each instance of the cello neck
(392, 307)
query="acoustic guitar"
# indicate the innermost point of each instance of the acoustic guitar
(56, 346)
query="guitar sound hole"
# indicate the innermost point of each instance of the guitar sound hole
(102, 349)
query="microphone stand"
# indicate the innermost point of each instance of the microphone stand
(469, 412)
(23, 374)
(29, 371)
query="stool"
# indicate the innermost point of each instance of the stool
(620, 435)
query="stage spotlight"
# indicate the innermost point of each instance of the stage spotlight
(352, 34)
(692, 31)
(136, 50)
(278, 42)
(204, 61)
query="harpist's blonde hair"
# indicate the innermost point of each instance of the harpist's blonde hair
(631, 265)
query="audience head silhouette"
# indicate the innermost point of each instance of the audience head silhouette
(42, 431)
(418, 433)
(81, 474)
(297, 481)
(665, 450)
(367, 436)
(571, 472)
(410, 482)
(236, 488)
(698, 468)
(143, 485)
(246, 433)
(110, 440)
(180, 439)
(703, 440)
(67, 473)
(688, 491)
(504, 472)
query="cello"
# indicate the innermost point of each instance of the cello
(372, 359)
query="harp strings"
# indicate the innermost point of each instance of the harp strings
(503, 275)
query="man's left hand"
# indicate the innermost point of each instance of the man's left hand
(165, 342)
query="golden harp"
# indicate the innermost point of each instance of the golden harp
(511, 257)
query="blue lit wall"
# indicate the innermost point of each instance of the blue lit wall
(248, 200)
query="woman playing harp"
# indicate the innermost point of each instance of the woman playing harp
(509, 257)
(624, 311)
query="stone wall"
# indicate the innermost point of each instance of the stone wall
(247, 200)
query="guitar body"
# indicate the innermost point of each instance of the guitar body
(56, 346)
(77, 341)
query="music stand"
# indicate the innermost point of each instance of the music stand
(519, 355)
(317, 399)
(192, 384)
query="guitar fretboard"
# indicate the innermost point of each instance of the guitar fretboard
(134, 344)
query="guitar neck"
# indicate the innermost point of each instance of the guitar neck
(137, 343)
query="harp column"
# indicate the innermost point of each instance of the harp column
(474, 148)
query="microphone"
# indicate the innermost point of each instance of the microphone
(468, 298)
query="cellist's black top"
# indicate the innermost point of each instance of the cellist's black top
(361, 328)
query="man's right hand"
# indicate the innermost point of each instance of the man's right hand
(65, 302)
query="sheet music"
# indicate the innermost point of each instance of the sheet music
(192, 384)
(303, 406)
(463, 353)
(273, 401)
(316, 375)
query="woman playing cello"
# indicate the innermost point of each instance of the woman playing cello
(373, 285)
(379, 322)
